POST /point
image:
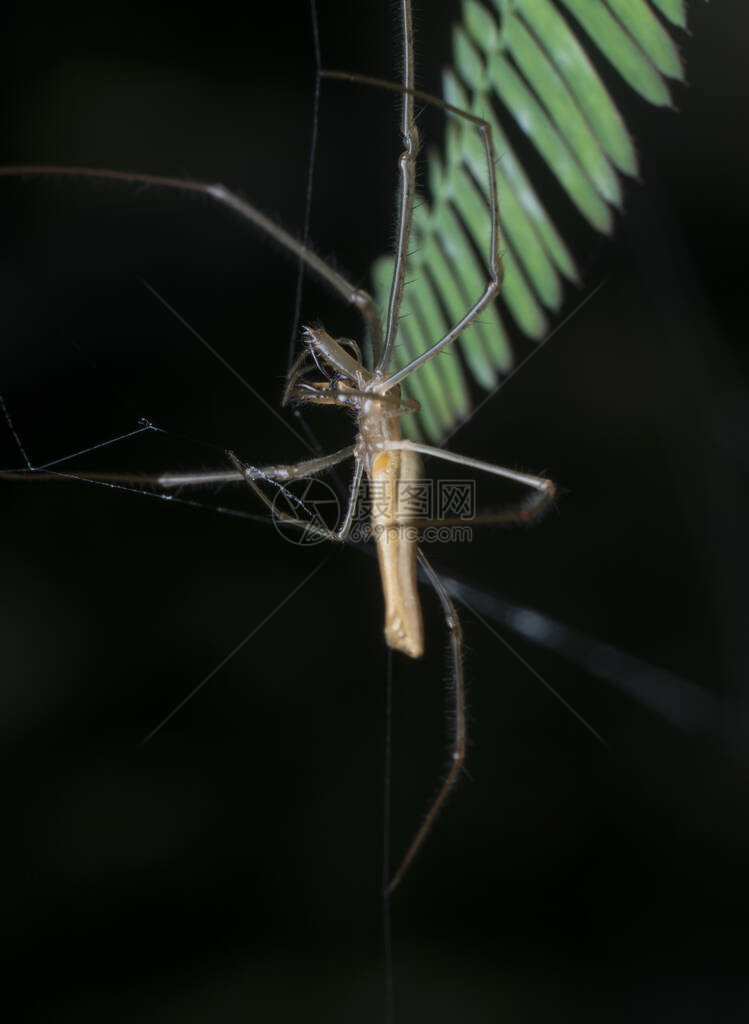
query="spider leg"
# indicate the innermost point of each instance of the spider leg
(546, 489)
(522, 514)
(406, 189)
(407, 165)
(357, 297)
(458, 746)
(250, 474)
(309, 467)
(293, 471)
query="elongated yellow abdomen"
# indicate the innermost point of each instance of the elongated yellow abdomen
(395, 530)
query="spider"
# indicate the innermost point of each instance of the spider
(332, 371)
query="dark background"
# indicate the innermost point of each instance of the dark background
(230, 869)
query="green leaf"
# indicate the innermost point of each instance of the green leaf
(551, 89)
(427, 309)
(436, 380)
(425, 385)
(480, 25)
(468, 61)
(533, 121)
(516, 225)
(471, 280)
(480, 355)
(469, 277)
(625, 55)
(512, 175)
(582, 79)
(534, 60)
(673, 10)
(515, 291)
(638, 19)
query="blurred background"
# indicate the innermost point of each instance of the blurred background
(230, 869)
